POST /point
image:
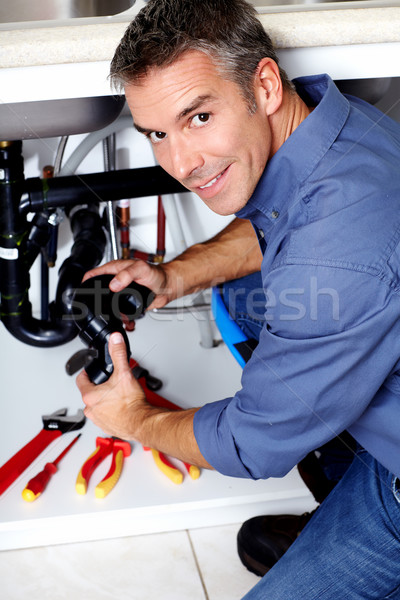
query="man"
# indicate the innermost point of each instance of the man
(316, 176)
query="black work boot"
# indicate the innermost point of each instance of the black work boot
(262, 541)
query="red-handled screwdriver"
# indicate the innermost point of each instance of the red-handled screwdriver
(37, 484)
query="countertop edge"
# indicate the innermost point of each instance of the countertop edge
(85, 43)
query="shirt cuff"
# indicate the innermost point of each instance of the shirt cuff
(215, 440)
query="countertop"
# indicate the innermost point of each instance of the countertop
(292, 26)
(50, 60)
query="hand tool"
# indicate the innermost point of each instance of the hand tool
(104, 446)
(146, 381)
(54, 425)
(152, 383)
(166, 467)
(38, 484)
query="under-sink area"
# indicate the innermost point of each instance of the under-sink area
(53, 118)
(63, 88)
(57, 117)
(54, 94)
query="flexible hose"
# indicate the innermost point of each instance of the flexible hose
(90, 141)
(109, 165)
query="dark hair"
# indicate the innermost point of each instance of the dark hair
(228, 31)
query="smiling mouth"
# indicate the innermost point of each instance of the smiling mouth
(210, 183)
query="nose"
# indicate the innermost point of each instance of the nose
(185, 158)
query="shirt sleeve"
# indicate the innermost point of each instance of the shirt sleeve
(323, 354)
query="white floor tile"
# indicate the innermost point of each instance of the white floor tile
(224, 576)
(150, 567)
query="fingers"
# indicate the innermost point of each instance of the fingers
(132, 271)
(126, 271)
(84, 384)
(111, 268)
(150, 276)
(113, 405)
(117, 349)
(118, 355)
(97, 397)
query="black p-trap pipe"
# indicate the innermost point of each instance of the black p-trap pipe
(66, 192)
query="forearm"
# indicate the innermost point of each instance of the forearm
(171, 432)
(232, 253)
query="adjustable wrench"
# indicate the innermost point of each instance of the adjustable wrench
(54, 425)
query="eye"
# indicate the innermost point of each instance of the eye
(200, 119)
(157, 136)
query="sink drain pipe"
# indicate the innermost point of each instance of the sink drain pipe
(20, 243)
(21, 240)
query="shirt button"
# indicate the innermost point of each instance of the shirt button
(274, 214)
(261, 233)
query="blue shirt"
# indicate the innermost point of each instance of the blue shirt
(328, 359)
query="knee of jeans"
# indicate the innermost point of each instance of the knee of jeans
(396, 488)
(245, 296)
(250, 327)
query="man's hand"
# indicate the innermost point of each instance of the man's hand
(152, 276)
(232, 253)
(118, 405)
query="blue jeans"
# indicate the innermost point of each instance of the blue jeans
(245, 301)
(350, 549)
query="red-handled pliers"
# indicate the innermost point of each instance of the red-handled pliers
(104, 446)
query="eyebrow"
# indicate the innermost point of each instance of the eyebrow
(142, 129)
(193, 106)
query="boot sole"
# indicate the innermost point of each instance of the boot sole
(251, 564)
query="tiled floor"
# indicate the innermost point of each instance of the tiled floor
(200, 564)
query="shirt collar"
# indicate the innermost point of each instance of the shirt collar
(297, 158)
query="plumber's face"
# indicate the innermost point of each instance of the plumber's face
(202, 131)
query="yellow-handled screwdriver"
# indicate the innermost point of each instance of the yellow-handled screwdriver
(38, 483)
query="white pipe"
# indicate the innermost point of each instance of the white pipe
(174, 222)
(109, 165)
(90, 141)
(178, 237)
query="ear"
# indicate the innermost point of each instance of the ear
(268, 86)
